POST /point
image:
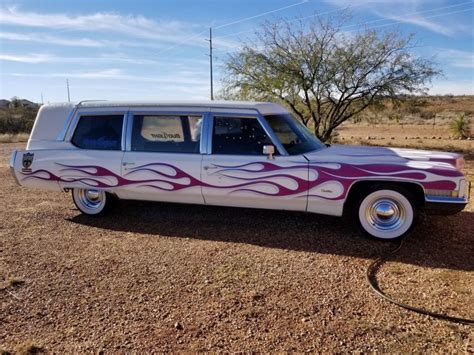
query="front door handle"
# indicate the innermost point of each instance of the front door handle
(210, 167)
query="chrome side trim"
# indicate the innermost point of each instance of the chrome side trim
(12, 167)
(442, 199)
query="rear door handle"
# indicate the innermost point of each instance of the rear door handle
(125, 163)
(210, 167)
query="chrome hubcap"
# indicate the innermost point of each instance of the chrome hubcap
(385, 214)
(92, 199)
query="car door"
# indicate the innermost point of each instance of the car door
(162, 161)
(237, 173)
(96, 149)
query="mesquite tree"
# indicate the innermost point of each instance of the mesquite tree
(323, 74)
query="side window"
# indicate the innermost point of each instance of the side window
(100, 132)
(166, 134)
(238, 136)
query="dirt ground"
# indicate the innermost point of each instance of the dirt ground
(167, 277)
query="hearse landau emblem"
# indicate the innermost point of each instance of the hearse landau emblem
(27, 160)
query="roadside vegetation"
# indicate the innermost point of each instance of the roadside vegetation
(17, 117)
(324, 75)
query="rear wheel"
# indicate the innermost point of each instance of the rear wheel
(386, 213)
(92, 202)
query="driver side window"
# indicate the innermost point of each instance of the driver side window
(238, 136)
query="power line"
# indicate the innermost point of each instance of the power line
(427, 17)
(300, 18)
(360, 4)
(229, 24)
(400, 21)
(414, 13)
(259, 15)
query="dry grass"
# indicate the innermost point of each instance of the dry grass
(174, 278)
(29, 347)
(14, 138)
(406, 136)
(14, 282)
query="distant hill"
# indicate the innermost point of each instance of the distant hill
(17, 102)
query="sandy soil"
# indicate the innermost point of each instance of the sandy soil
(169, 277)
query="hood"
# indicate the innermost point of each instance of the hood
(354, 154)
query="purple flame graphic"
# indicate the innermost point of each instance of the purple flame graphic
(341, 173)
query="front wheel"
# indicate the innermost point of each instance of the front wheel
(92, 202)
(386, 213)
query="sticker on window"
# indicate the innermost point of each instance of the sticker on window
(162, 129)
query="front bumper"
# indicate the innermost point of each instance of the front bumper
(440, 205)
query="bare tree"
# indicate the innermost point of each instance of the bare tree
(324, 75)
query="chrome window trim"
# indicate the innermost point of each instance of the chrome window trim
(263, 123)
(276, 142)
(210, 130)
(128, 132)
(131, 119)
(124, 131)
(80, 113)
(204, 143)
(62, 133)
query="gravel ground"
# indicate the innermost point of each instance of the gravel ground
(170, 277)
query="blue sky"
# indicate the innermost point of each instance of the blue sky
(144, 49)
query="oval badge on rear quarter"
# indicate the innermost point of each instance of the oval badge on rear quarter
(27, 160)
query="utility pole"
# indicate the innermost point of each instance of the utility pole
(68, 94)
(42, 100)
(210, 62)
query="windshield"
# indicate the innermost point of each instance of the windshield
(293, 135)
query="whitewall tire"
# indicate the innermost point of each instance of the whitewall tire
(386, 214)
(92, 202)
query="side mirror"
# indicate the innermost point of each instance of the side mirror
(269, 150)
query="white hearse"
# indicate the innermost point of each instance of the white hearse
(242, 154)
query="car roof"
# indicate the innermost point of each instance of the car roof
(262, 107)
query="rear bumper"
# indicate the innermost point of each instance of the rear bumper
(12, 166)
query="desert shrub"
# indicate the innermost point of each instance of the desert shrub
(460, 127)
(427, 115)
(17, 120)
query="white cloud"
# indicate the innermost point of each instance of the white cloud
(457, 58)
(135, 26)
(32, 58)
(43, 38)
(191, 78)
(420, 21)
(36, 58)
